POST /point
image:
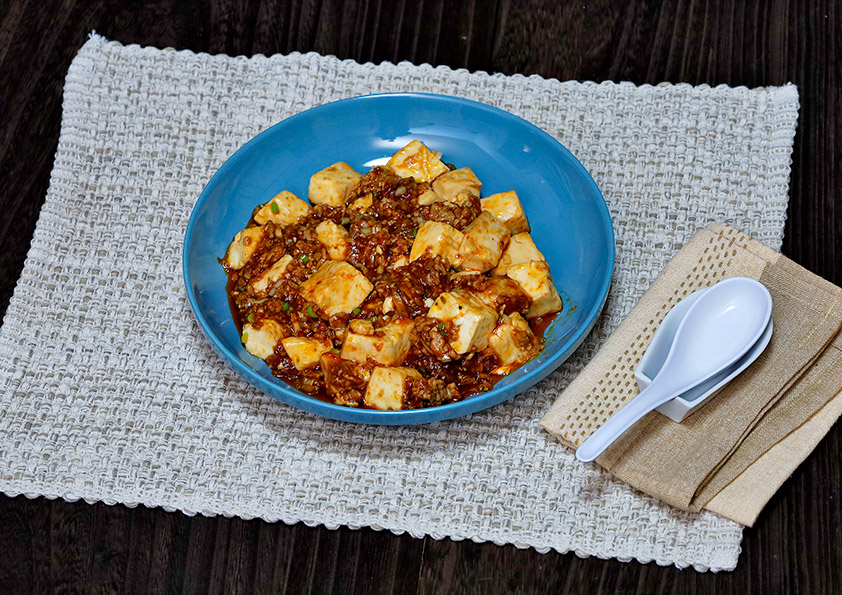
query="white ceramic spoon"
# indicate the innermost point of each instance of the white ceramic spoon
(718, 329)
(688, 402)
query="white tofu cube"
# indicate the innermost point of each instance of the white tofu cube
(305, 352)
(507, 208)
(334, 238)
(471, 319)
(244, 246)
(513, 342)
(502, 294)
(261, 342)
(387, 387)
(534, 278)
(521, 249)
(415, 160)
(284, 209)
(454, 185)
(386, 346)
(483, 243)
(437, 238)
(270, 276)
(332, 185)
(336, 287)
(428, 197)
(360, 205)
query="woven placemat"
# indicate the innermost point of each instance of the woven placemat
(109, 392)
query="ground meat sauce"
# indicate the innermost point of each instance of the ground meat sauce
(380, 240)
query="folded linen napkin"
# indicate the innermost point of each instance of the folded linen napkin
(732, 454)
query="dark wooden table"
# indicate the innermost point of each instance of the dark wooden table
(796, 546)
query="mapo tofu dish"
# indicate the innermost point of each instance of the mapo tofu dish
(400, 288)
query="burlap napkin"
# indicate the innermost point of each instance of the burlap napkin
(732, 454)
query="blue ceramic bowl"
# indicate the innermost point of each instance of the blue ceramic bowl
(570, 222)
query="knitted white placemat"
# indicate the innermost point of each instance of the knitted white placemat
(109, 392)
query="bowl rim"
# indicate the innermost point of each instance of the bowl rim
(285, 393)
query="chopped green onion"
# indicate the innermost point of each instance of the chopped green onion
(305, 259)
(442, 329)
(356, 311)
(250, 318)
(414, 232)
(335, 350)
(287, 306)
(346, 220)
(310, 312)
(275, 208)
(245, 337)
(374, 319)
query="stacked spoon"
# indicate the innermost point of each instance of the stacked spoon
(704, 342)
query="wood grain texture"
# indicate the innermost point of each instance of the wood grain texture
(55, 546)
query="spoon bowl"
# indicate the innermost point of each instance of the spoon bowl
(736, 312)
(720, 327)
(685, 404)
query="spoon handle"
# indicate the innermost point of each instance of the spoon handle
(621, 421)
